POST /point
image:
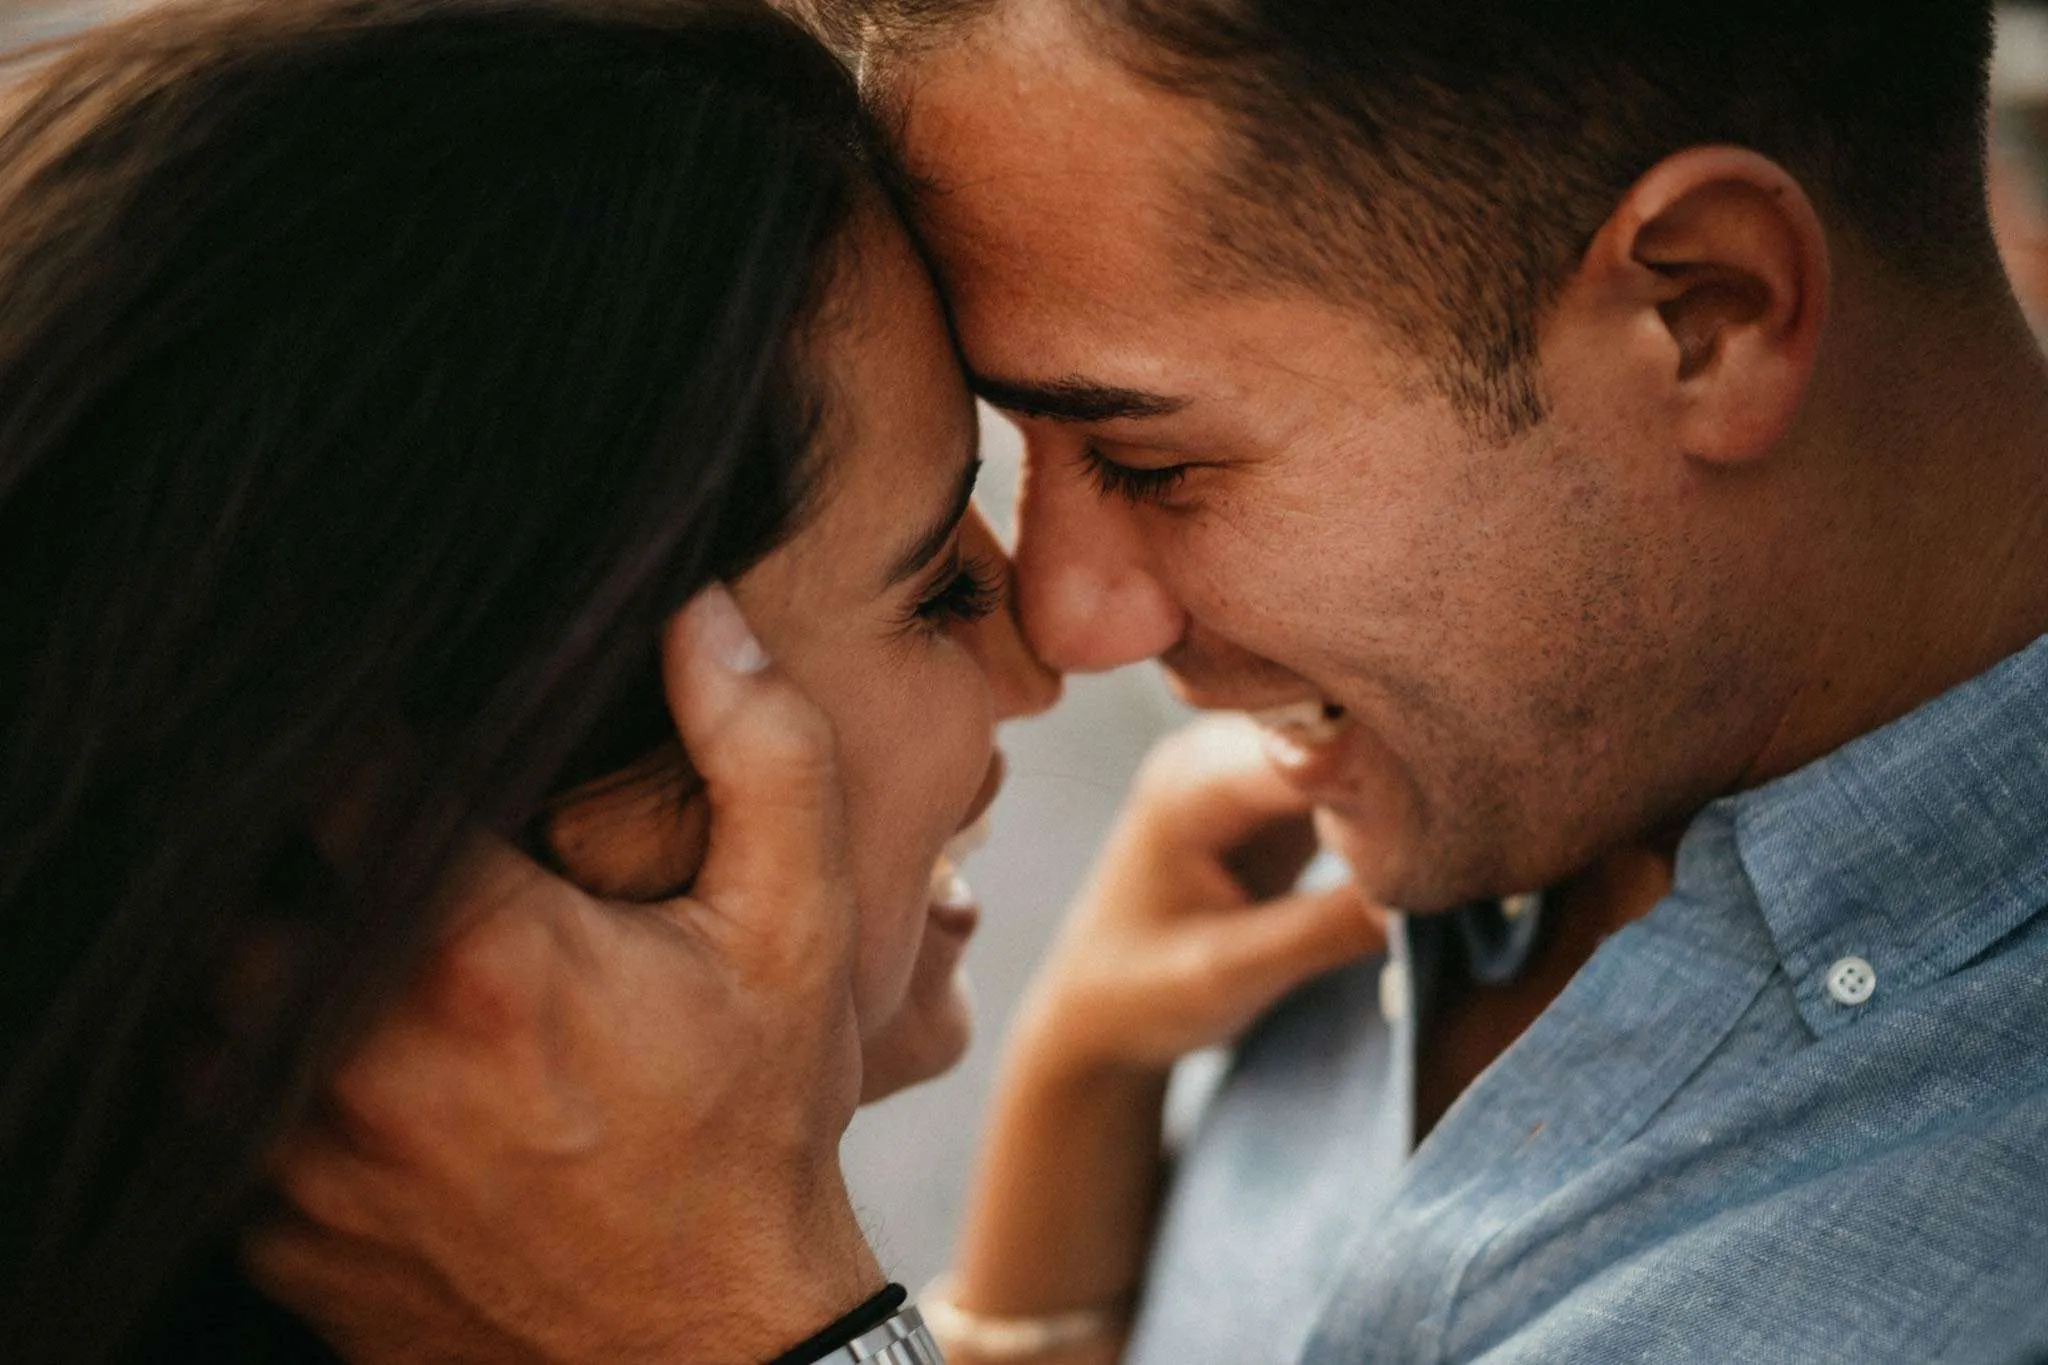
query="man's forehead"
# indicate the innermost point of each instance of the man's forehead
(1051, 190)
(1030, 103)
(1064, 210)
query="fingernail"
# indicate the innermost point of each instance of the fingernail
(723, 630)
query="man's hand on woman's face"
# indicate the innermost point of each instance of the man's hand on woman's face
(596, 1132)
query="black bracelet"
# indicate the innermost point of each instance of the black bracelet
(844, 1332)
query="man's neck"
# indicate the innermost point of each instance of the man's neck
(1938, 567)
(1473, 1024)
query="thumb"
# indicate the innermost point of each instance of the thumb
(775, 871)
(1255, 956)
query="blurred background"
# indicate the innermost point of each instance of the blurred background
(909, 1158)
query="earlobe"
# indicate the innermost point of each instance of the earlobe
(1725, 251)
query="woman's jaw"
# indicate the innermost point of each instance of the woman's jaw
(954, 909)
(931, 1030)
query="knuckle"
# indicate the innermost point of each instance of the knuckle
(487, 983)
(371, 1103)
(322, 1192)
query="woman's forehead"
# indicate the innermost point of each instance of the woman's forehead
(900, 432)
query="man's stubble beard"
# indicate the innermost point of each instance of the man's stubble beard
(1647, 707)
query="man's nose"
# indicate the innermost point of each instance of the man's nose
(1086, 592)
(1019, 683)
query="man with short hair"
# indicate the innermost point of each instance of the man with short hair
(1611, 422)
(1599, 438)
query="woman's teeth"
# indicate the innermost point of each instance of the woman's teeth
(1305, 723)
(949, 888)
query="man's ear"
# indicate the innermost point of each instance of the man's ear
(1718, 263)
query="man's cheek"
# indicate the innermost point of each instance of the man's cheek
(1276, 611)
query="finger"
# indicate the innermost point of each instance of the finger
(329, 1186)
(637, 837)
(1253, 957)
(301, 1267)
(367, 1303)
(775, 868)
(1211, 786)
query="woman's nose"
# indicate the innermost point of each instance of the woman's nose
(1086, 594)
(1019, 682)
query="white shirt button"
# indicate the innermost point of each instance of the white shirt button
(1851, 981)
(1394, 991)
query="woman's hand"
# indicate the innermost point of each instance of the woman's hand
(595, 1132)
(1183, 934)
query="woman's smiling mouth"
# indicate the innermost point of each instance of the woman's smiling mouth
(953, 906)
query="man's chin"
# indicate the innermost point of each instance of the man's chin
(1392, 866)
(1377, 856)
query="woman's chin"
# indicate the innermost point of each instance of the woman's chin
(925, 1041)
(931, 1031)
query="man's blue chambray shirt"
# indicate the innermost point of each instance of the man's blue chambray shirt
(1798, 1113)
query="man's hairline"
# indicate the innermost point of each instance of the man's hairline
(1224, 252)
(1213, 263)
(1209, 264)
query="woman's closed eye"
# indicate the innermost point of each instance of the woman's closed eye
(1153, 487)
(969, 589)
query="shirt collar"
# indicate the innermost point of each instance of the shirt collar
(1915, 847)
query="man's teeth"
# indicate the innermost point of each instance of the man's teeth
(967, 842)
(1306, 722)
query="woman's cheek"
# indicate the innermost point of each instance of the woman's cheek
(889, 962)
(941, 743)
(895, 837)
(931, 1032)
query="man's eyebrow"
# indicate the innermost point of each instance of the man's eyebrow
(941, 531)
(1072, 400)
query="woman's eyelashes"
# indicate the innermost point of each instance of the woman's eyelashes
(1154, 487)
(969, 589)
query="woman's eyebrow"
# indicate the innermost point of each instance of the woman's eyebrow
(934, 539)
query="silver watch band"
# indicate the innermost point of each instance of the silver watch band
(902, 1340)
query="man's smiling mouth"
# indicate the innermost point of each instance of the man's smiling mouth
(1306, 725)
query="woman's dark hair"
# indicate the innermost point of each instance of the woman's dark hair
(375, 377)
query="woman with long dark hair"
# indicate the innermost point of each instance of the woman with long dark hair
(378, 380)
